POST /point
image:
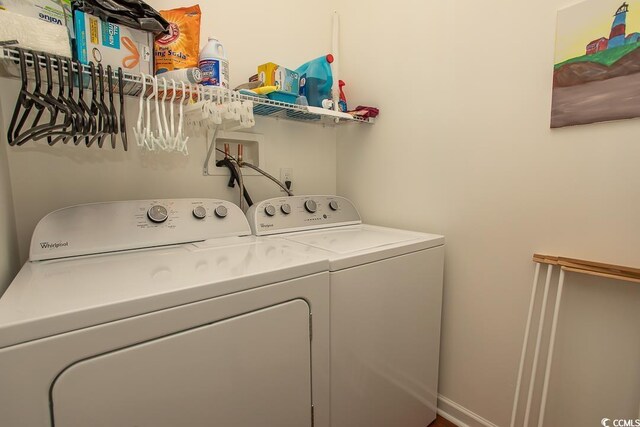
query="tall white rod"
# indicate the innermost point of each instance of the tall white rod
(532, 300)
(536, 354)
(552, 341)
(335, 67)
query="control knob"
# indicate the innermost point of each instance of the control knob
(220, 211)
(270, 210)
(157, 214)
(199, 212)
(286, 208)
(310, 206)
(333, 205)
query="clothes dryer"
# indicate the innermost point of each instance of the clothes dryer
(386, 299)
(163, 313)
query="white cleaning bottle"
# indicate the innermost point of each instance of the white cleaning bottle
(214, 64)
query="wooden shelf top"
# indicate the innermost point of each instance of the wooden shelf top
(593, 268)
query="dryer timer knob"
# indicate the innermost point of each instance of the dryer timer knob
(310, 206)
(221, 211)
(157, 214)
(333, 205)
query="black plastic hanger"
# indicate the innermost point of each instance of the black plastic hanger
(103, 106)
(80, 120)
(72, 124)
(49, 94)
(91, 119)
(123, 125)
(104, 123)
(94, 108)
(22, 101)
(65, 134)
(104, 110)
(28, 101)
(55, 102)
(34, 132)
(40, 108)
(112, 108)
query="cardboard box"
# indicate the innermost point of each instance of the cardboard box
(57, 12)
(33, 34)
(286, 80)
(112, 44)
(51, 11)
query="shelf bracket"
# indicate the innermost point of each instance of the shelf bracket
(212, 147)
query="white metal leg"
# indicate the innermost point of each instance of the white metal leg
(536, 354)
(552, 341)
(532, 301)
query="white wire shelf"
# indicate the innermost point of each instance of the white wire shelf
(10, 67)
(283, 110)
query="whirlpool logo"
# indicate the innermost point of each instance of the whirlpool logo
(606, 422)
(48, 245)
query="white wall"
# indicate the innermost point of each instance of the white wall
(8, 242)
(463, 148)
(47, 178)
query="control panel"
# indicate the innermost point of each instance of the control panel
(298, 213)
(115, 226)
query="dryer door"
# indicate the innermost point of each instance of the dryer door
(249, 370)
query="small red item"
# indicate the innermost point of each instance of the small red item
(330, 58)
(365, 112)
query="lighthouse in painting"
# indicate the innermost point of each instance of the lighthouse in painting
(618, 36)
(619, 27)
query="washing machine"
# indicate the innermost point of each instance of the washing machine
(163, 313)
(386, 299)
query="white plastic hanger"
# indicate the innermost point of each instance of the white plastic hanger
(149, 139)
(138, 130)
(159, 137)
(173, 138)
(163, 115)
(181, 144)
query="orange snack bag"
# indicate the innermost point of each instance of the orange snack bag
(181, 47)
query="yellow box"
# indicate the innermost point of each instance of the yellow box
(271, 74)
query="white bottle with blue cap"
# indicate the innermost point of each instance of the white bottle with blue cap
(214, 64)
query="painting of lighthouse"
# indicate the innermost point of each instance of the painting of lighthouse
(596, 75)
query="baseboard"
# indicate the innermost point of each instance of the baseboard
(459, 415)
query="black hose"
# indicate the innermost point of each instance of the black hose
(233, 178)
(271, 177)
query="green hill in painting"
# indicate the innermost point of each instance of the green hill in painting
(606, 57)
(604, 65)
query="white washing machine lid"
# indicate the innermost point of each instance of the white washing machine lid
(58, 296)
(353, 245)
